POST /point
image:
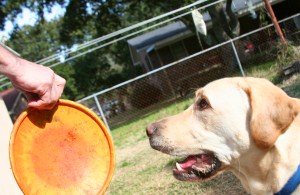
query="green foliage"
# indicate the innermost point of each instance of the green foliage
(71, 90)
(76, 16)
(38, 42)
(10, 9)
(285, 53)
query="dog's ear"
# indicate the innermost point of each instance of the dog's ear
(272, 111)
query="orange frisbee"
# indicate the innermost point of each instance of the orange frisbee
(67, 150)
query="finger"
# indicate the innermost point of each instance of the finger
(49, 100)
(31, 97)
(60, 84)
(41, 105)
(46, 101)
(54, 96)
(43, 102)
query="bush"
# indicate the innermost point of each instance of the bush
(285, 54)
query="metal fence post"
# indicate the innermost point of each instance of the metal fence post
(101, 112)
(237, 58)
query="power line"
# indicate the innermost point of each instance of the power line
(108, 36)
(130, 35)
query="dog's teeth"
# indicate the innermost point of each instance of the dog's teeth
(179, 167)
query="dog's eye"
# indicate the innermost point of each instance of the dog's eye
(203, 104)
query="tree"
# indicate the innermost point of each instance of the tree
(38, 42)
(9, 9)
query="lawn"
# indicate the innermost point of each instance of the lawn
(142, 170)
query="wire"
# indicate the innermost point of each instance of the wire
(127, 36)
(108, 36)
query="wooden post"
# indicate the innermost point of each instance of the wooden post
(275, 22)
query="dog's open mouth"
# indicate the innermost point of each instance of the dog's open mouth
(197, 168)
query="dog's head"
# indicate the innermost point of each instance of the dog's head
(228, 117)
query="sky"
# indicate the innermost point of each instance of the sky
(29, 18)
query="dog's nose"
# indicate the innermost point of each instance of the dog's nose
(151, 129)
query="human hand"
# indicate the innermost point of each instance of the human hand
(40, 84)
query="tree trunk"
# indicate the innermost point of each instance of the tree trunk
(224, 29)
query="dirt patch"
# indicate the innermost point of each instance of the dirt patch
(130, 152)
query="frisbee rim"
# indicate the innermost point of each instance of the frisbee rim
(81, 108)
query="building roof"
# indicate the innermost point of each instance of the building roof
(149, 39)
(157, 35)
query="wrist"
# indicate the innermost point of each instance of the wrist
(9, 63)
(13, 70)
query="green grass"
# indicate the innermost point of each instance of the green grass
(264, 70)
(142, 170)
(292, 86)
(131, 131)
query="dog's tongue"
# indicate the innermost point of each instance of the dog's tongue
(188, 162)
(203, 159)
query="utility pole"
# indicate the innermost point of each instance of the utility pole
(275, 22)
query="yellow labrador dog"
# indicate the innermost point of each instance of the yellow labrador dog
(244, 125)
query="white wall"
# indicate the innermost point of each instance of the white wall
(8, 184)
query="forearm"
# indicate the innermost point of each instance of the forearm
(40, 84)
(9, 63)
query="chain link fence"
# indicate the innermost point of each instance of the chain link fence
(164, 86)
(178, 80)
